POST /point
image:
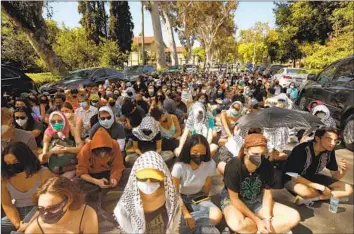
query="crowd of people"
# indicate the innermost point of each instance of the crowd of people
(174, 132)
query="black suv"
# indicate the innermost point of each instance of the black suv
(14, 80)
(334, 86)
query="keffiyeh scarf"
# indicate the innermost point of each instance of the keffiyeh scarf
(129, 210)
(327, 120)
(148, 123)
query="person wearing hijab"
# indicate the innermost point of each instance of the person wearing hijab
(313, 104)
(228, 121)
(247, 200)
(59, 128)
(322, 112)
(150, 202)
(197, 123)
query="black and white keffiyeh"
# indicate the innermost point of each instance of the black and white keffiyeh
(129, 210)
(198, 119)
(327, 119)
(148, 123)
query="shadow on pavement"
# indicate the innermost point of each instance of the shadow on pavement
(301, 229)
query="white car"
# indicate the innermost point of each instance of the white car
(285, 76)
(191, 68)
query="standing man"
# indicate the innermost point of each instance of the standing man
(302, 175)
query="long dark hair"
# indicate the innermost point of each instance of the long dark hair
(30, 119)
(24, 156)
(195, 139)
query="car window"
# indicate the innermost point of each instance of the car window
(345, 72)
(7, 74)
(280, 71)
(78, 75)
(111, 72)
(98, 74)
(327, 74)
(296, 71)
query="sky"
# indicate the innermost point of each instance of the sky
(247, 14)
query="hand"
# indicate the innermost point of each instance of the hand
(269, 226)
(189, 221)
(178, 151)
(103, 183)
(261, 226)
(57, 149)
(22, 227)
(326, 191)
(113, 183)
(43, 157)
(342, 165)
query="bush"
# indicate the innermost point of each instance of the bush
(43, 78)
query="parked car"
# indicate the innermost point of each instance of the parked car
(132, 73)
(191, 68)
(14, 80)
(84, 77)
(287, 75)
(173, 69)
(272, 69)
(334, 86)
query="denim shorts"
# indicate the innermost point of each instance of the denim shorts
(255, 207)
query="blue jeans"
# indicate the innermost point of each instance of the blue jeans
(200, 214)
(7, 227)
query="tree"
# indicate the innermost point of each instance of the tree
(121, 25)
(225, 43)
(156, 25)
(94, 20)
(27, 16)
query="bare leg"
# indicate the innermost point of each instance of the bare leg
(215, 215)
(284, 217)
(341, 189)
(238, 222)
(302, 190)
(222, 142)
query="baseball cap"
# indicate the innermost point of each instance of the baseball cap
(150, 173)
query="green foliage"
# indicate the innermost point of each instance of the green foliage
(42, 78)
(200, 52)
(110, 54)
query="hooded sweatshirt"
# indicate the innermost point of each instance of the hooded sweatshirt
(89, 163)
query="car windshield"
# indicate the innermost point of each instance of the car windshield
(173, 67)
(297, 71)
(133, 69)
(78, 75)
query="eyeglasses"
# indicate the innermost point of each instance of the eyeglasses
(20, 117)
(105, 118)
(52, 209)
(56, 121)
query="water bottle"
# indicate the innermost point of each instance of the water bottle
(333, 204)
(226, 231)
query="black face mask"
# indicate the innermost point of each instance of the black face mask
(198, 159)
(112, 104)
(256, 159)
(101, 152)
(15, 168)
(43, 101)
(51, 218)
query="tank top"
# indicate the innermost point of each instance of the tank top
(24, 199)
(168, 133)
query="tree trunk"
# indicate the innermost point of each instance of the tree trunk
(189, 50)
(156, 25)
(171, 39)
(38, 38)
(208, 55)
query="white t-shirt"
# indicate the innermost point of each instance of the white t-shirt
(192, 181)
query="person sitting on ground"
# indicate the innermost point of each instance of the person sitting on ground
(25, 121)
(106, 119)
(305, 164)
(192, 177)
(73, 99)
(62, 210)
(150, 202)
(170, 128)
(228, 120)
(322, 112)
(21, 175)
(11, 134)
(43, 104)
(197, 122)
(85, 112)
(247, 200)
(100, 161)
(170, 106)
(75, 122)
(59, 128)
(34, 105)
(58, 100)
(313, 104)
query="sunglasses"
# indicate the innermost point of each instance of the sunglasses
(20, 117)
(56, 121)
(151, 180)
(105, 118)
(52, 209)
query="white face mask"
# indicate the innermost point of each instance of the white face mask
(107, 123)
(148, 187)
(4, 129)
(21, 122)
(292, 86)
(67, 115)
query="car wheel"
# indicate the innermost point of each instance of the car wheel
(348, 133)
(302, 105)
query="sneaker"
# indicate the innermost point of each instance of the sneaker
(301, 201)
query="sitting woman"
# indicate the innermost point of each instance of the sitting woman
(25, 121)
(23, 102)
(74, 121)
(22, 175)
(170, 128)
(62, 210)
(199, 122)
(228, 121)
(59, 130)
(147, 137)
(43, 105)
(192, 177)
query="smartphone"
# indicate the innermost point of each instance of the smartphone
(200, 199)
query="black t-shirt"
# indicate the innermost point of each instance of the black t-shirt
(239, 98)
(156, 221)
(145, 146)
(259, 94)
(302, 160)
(248, 186)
